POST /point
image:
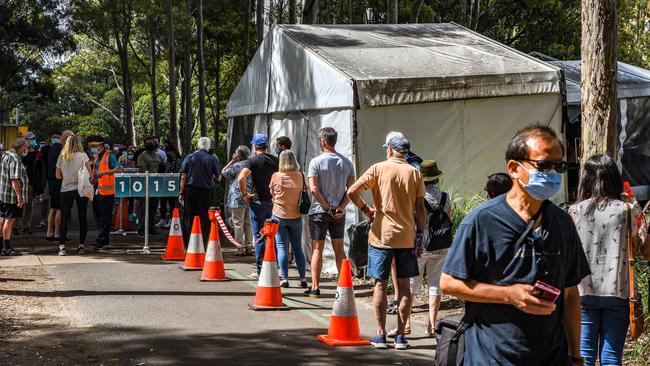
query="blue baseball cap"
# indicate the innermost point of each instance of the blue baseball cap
(260, 140)
(399, 144)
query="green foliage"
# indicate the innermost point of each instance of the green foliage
(462, 205)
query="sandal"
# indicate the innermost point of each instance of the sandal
(241, 252)
(392, 310)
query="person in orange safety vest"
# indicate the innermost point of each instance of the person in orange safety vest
(105, 166)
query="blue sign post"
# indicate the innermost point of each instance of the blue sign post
(128, 185)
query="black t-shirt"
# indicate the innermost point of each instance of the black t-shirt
(262, 167)
(29, 161)
(52, 156)
(483, 250)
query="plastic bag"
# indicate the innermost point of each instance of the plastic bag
(358, 252)
(85, 187)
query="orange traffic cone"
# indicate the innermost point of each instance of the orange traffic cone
(269, 295)
(175, 250)
(344, 324)
(195, 256)
(213, 268)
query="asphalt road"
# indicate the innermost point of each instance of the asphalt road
(140, 310)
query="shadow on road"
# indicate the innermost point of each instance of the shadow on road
(137, 345)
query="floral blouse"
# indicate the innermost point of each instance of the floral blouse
(235, 199)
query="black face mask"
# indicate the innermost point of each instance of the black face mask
(150, 146)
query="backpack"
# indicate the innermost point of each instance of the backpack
(438, 226)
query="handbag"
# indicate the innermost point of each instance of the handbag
(305, 202)
(450, 331)
(636, 307)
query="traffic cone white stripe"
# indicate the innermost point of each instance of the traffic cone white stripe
(213, 254)
(196, 244)
(269, 275)
(344, 304)
(175, 228)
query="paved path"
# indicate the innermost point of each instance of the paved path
(139, 310)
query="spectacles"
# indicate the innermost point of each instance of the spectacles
(559, 166)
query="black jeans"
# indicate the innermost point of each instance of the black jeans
(197, 203)
(103, 211)
(67, 199)
(153, 204)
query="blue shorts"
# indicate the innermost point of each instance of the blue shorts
(380, 260)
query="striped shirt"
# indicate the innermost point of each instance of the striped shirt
(12, 168)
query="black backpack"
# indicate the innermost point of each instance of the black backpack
(438, 226)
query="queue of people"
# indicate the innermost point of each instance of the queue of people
(503, 252)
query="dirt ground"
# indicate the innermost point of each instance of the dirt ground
(38, 330)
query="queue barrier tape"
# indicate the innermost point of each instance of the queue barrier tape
(224, 228)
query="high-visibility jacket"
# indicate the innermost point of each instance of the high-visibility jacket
(105, 183)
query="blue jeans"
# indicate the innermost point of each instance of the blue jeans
(260, 211)
(604, 327)
(290, 230)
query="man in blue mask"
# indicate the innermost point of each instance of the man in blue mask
(504, 247)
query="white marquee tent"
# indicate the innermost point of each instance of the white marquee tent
(456, 95)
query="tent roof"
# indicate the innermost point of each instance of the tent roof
(396, 64)
(633, 81)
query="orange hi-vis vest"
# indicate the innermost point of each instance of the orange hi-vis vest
(105, 183)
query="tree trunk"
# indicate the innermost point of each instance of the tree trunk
(415, 11)
(121, 23)
(292, 11)
(154, 89)
(598, 87)
(394, 12)
(462, 9)
(204, 125)
(476, 13)
(259, 21)
(310, 12)
(182, 118)
(217, 114)
(171, 69)
(247, 32)
(187, 77)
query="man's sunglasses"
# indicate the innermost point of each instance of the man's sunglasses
(559, 166)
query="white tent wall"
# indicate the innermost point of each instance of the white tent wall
(302, 128)
(467, 138)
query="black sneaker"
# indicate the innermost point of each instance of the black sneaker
(313, 293)
(303, 283)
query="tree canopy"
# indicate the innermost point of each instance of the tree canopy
(102, 66)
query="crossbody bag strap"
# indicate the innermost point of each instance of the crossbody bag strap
(530, 225)
(630, 255)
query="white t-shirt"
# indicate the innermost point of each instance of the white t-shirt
(70, 170)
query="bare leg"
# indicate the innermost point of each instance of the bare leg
(404, 310)
(45, 204)
(316, 262)
(434, 306)
(50, 223)
(393, 277)
(7, 226)
(380, 303)
(339, 252)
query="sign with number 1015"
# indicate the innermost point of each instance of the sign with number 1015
(160, 185)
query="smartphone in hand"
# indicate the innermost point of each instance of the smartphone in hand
(545, 291)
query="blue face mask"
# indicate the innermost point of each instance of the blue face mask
(55, 141)
(278, 150)
(33, 143)
(542, 185)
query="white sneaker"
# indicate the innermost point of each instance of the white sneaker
(160, 223)
(167, 224)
